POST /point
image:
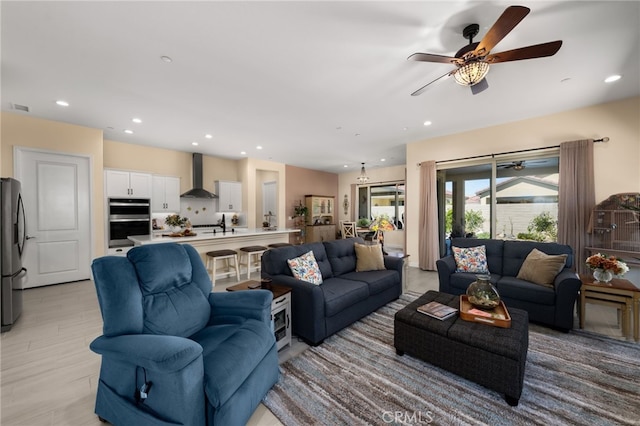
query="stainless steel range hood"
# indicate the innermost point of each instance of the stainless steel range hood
(198, 191)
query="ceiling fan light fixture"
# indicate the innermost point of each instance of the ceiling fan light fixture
(363, 178)
(471, 73)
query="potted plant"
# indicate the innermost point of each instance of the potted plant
(363, 222)
(300, 210)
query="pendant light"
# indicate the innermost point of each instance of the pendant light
(363, 178)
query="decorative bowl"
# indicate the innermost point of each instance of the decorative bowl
(482, 294)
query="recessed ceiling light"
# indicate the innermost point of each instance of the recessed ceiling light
(194, 143)
(136, 120)
(345, 166)
(427, 123)
(243, 152)
(166, 59)
(62, 103)
(258, 147)
(383, 159)
(612, 78)
(208, 136)
(128, 131)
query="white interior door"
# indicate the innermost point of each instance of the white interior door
(270, 201)
(56, 193)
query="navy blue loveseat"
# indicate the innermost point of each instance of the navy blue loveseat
(345, 295)
(553, 306)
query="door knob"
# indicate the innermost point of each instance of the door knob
(28, 237)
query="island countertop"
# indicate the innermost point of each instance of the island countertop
(239, 235)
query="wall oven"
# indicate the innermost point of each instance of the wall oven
(128, 216)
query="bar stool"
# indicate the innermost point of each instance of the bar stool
(276, 245)
(226, 255)
(246, 260)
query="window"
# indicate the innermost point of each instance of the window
(525, 205)
(382, 200)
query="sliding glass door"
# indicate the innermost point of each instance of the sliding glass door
(525, 205)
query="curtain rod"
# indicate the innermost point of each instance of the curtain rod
(604, 139)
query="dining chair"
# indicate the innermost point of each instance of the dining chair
(348, 229)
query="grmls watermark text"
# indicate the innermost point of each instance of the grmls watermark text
(406, 417)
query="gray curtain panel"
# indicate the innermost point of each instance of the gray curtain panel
(429, 247)
(576, 197)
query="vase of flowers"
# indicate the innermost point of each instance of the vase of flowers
(602, 275)
(176, 222)
(605, 268)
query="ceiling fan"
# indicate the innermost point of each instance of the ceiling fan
(517, 165)
(473, 60)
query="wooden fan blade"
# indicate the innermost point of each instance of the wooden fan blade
(530, 52)
(423, 88)
(503, 26)
(428, 57)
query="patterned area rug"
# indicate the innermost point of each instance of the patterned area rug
(356, 378)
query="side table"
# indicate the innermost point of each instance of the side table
(405, 267)
(619, 293)
(280, 310)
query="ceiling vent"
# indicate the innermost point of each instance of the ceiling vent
(20, 107)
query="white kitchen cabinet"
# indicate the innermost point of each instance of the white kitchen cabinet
(121, 183)
(229, 196)
(166, 194)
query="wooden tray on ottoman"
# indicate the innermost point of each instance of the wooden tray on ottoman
(501, 309)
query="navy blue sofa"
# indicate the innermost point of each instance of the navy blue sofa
(345, 295)
(207, 358)
(549, 306)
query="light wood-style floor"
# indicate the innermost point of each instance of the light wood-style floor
(48, 374)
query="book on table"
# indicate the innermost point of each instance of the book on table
(437, 310)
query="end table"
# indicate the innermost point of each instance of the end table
(280, 310)
(619, 293)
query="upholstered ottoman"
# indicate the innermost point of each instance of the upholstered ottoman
(493, 357)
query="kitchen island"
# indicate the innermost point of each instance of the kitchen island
(206, 240)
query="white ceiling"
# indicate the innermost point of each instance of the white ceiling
(317, 84)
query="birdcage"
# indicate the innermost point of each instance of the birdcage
(616, 225)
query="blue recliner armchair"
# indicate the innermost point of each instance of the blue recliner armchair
(173, 352)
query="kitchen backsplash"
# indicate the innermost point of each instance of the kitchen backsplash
(202, 212)
(199, 211)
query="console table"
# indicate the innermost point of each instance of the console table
(618, 293)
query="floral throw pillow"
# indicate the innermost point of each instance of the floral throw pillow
(471, 259)
(305, 268)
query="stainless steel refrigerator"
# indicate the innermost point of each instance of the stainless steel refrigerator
(12, 243)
